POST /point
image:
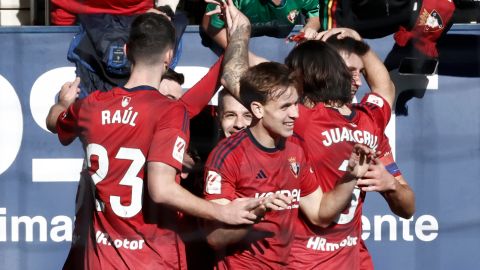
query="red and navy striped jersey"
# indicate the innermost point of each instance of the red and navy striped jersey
(240, 167)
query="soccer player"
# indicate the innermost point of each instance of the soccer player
(231, 114)
(330, 125)
(390, 184)
(134, 140)
(265, 161)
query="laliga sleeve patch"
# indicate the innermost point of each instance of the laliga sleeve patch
(214, 183)
(375, 100)
(179, 149)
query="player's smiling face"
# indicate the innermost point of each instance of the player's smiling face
(279, 114)
(355, 65)
(234, 116)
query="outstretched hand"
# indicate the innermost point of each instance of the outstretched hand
(234, 18)
(360, 160)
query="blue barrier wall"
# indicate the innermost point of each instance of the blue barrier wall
(437, 145)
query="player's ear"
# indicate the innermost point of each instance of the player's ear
(257, 109)
(168, 58)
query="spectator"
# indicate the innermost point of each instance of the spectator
(130, 135)
(64, 12)
(97, 50)
(268, 17)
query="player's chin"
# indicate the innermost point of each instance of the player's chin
(287, 130)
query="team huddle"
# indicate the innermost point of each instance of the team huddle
(283, 190)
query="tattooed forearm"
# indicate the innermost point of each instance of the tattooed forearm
(236, 59)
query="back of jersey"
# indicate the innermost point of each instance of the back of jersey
(121, 130)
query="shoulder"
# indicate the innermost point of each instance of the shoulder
(226, 149)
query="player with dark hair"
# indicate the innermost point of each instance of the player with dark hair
(231, 114)
(330, 125)
(134, 139)
(266, 161)
(391, 184)
(171, 84)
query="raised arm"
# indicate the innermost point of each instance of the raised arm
(236, 53)
(322, 209)
(68, 94)
(198, 96)
(375, 72)
(377, 77)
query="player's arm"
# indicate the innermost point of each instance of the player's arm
(220, 235)
(395, 189)
(164, 189)
(322, 209)
(67, 95)
(377, 77)
(197, 97)
(375, 72)
(236, 54)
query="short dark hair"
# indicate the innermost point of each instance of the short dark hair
(221, 94)
(172, 75)
(151, 35)
(348, 45)
(266, 81)
(323, 72)
(167, 10)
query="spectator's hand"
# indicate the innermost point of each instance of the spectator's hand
(239, 211)
(360, 160)
(309, 33)
(69, 92)
(234, 18)
(342, 33)
(377, 178)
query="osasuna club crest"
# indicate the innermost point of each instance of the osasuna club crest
(294, 166)
(126, 101)
(431, 20)
(292, 15)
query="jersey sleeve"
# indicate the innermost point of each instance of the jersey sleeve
(379, 109)
(308, 182)
(387, 157)
(311, 8)
(215, 20)
(219, 181)
(171, 136)
(200, 94)
(67, 123)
